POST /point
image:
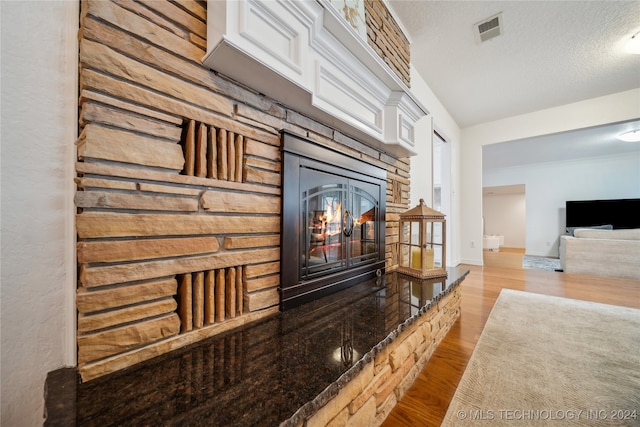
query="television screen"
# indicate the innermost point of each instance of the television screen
(620, 213)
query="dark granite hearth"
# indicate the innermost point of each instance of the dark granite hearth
(272, 372)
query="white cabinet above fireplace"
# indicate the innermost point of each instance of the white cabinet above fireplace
(305, 55)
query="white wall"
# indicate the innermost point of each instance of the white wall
(550, 185)
(613, 108)
(505, 215)
(39, 98)
(421, 165)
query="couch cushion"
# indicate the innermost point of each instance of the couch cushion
(571, 230)
(589, 233)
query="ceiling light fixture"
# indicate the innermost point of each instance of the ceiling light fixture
(631, 136)
(633, 44)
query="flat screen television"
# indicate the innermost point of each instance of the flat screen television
(620, 213)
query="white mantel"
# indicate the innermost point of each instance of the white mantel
(305, 55)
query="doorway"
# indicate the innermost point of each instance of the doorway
(442, 181)
(504, 225)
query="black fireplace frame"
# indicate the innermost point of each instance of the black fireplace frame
(298, 152)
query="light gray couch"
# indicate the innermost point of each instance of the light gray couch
(610, 253)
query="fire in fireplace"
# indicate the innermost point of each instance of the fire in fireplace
(333, 221)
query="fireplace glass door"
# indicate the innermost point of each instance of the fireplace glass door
(340, 215)
(333, 209)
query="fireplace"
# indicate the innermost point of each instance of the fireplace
(333, 229)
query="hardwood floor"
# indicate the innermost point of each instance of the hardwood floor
(505, 258)
(426, 402)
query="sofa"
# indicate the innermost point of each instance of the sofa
(610, 253)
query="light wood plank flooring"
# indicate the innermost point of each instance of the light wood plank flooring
(426, 402)
(505, 258)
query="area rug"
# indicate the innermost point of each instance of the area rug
(544, 360)
(540, 263)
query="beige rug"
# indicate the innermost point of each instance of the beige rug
(545, 360)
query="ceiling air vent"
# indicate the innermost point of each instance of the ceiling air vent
(489, 28)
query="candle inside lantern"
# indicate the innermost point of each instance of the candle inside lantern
(415, 258)
(430, 262)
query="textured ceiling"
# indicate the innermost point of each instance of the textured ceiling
(550, 53)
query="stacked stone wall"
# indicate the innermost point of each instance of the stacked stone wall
(179, 186)
(387, 38)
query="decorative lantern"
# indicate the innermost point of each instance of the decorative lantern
(422, 246)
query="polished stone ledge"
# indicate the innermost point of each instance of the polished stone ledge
(278, 371)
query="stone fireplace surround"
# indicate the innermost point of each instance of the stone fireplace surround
(179, 179)
(179, 186)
